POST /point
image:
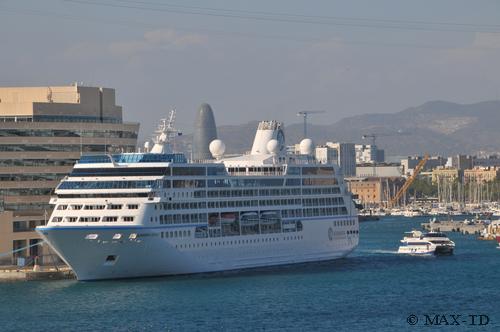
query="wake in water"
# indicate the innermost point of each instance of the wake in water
(391, 252)
(378, 251)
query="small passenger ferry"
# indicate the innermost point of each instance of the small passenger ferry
(156, 213)
(432, 243)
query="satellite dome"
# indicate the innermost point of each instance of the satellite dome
(306, 146)
(273, 146)
(217, 148)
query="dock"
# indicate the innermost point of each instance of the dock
(16, 274)
(453, 226)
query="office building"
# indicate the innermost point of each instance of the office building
(205, 132)
(43, 132)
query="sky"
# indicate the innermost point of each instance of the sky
(255, 60)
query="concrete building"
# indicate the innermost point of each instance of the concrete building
(43, 132)
(325, 154)
(368, 154)
(380, 156)
(342, 154)
(460, 162)
(481, 174)
(409, 163)
(490, 161)
(379, 170)
(346, 157)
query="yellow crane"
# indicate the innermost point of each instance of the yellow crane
(409, 181)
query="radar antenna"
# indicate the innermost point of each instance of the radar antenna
(165, 134)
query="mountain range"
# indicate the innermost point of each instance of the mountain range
(436, 127)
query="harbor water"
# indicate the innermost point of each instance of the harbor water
(372, 289)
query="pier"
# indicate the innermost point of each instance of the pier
(16, 274)
(453, 226)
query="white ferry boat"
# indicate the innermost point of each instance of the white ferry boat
(432, 243)
(149, 214)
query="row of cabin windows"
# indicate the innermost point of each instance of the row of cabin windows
(202, 171)
(176, 234)
(225, 193)
(272, 192)
(228, 182)
(96, 206)
(248, 203)
(321, 201)
(229, 204)
(325, 211)
(226, 204)
(181, 206)
(139, 184)
(279, 202)
(181, 218)
(238, 242)
(320, 191)
(93, 219)
(289, 213)
(348, 222)
(253, 192)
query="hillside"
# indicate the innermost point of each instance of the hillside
(437, 127)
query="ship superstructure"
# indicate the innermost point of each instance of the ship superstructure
(149, 214)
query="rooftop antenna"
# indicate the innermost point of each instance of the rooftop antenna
(49, 94)
(304, 115)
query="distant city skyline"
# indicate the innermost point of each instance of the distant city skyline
(257, 60)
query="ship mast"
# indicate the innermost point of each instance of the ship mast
(165, 134)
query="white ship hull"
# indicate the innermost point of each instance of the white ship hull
(151, 255)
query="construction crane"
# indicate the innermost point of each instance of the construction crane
(373, 136)
(409, 181)
(304, 115)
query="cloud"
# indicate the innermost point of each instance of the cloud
(161, 39)
(486, 40)
(157, 40)
(482, 49)
(85, 51)
(171, 37)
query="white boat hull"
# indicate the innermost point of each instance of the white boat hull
(416, 251)
(152, 255)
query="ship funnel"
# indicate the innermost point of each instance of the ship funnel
(267, 131)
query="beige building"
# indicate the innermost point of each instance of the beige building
(43, 132)
(374, 190)
(444, 174)
(481, 175)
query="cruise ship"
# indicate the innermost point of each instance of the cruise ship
(156, 213)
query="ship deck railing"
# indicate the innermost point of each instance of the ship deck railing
(261, 173)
